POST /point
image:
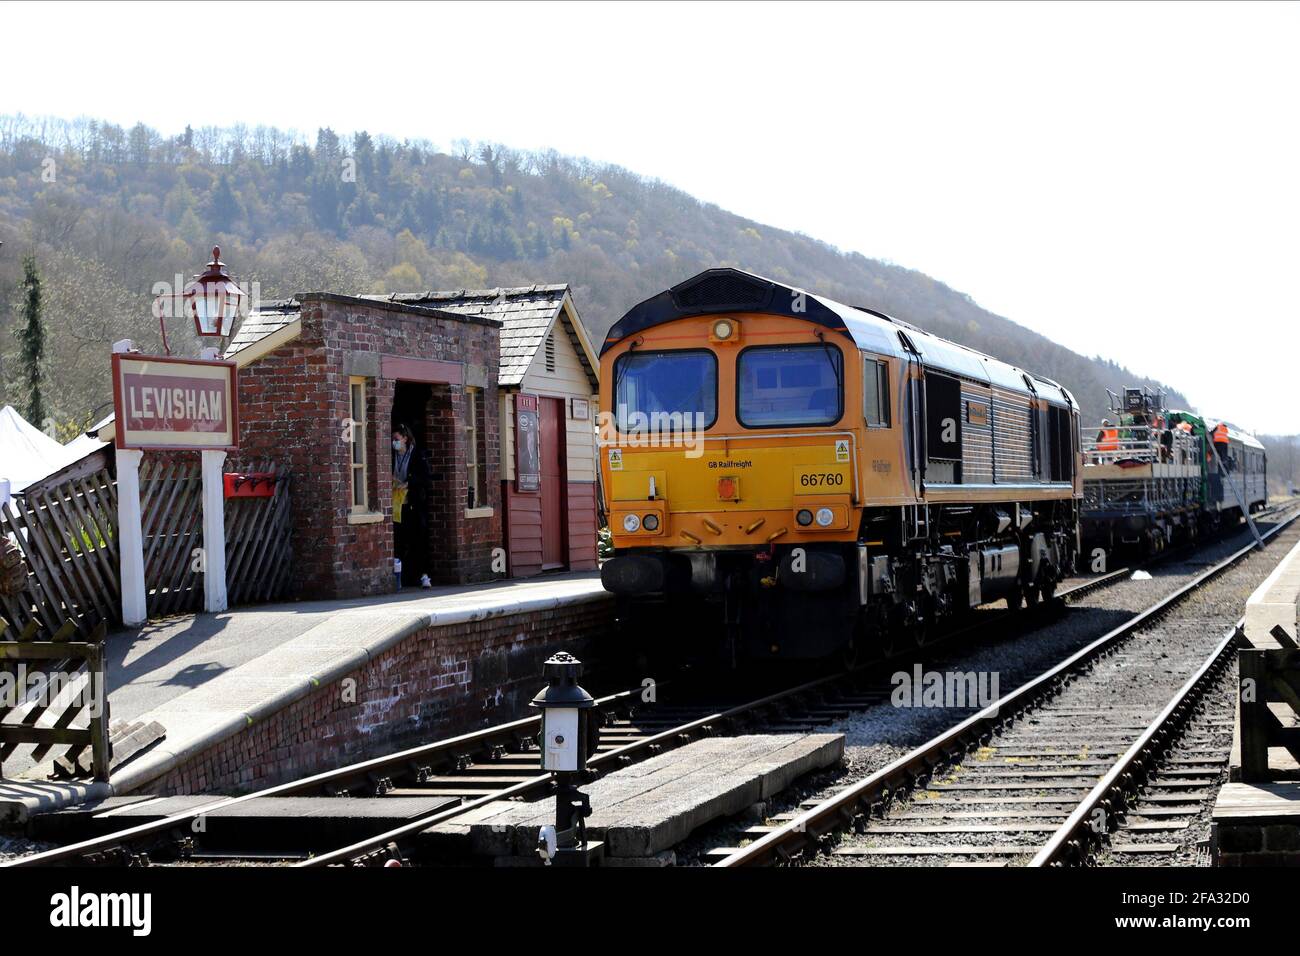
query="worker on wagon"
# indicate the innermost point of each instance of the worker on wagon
(1107, 437)
(410, 507)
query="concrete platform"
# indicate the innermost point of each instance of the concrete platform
(207, 678)
(643, 811)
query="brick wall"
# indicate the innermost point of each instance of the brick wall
(293, 403)
(1262, 842)
(436, 683)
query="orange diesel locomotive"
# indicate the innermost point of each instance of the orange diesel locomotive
(808, 477)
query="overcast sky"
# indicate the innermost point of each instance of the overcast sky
(1122, 178)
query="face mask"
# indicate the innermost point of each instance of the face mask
(398, 444)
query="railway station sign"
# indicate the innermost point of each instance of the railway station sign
(175, 403)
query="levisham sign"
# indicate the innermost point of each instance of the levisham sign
(175, 403)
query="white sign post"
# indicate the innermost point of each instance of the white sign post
(130, 537)
(172, 404)
(214, 532)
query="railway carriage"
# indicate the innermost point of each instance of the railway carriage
(1156, 476)
(809, 477)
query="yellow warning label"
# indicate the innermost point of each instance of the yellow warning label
(616, 459)
(842, 449)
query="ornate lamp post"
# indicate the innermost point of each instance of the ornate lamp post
(211, 299)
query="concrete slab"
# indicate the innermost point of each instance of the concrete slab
(207, 677)
(278, 823)
(1260, 802)
(1275, 602)
(648, 808)
(22, 799)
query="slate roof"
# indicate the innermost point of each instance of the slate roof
(526, 313)
(271, 316)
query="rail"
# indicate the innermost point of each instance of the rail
(816, 826)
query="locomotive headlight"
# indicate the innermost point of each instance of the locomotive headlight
(631, 523)
(804, 517)
(825, 516)
(650, 522)
(723, 330)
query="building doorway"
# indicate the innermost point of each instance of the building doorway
(554, 484)
(414, 506)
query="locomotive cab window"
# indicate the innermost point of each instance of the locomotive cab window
(875, 393)
(789, 385)
(674, 391)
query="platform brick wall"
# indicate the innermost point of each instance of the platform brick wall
(1256, 843)
(437, 682)
(292, 405)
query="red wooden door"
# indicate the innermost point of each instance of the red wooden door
(551, 416)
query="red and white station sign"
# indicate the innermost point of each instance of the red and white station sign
(175, 403)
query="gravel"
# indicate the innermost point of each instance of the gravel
(14, 848)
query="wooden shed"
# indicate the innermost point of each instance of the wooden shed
(547, 389)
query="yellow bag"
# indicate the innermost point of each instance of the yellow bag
(399, 499)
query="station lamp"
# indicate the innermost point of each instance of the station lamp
(568, 737)
(212, 299)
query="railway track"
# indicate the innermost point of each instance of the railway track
(1089, 750)
(500, 762)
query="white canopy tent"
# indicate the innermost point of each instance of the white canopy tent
(27, 454)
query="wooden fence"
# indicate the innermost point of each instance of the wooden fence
(81, 665)
(1269, 676)
(66, 527)
(258, 556)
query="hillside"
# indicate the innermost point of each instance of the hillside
(109, 212)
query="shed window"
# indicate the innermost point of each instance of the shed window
(358, 434)
(475, 450)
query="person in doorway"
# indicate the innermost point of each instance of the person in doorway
(410, 506)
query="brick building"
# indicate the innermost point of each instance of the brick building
(312, 365)
(549, 369)
(454, 366)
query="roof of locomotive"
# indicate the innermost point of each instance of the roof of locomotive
(716, 291)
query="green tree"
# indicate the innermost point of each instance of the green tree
(226, 209)
(31, 339)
